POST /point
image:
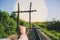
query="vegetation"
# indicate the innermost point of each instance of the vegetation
(51, 29)
(8, 24)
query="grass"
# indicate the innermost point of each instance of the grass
(52, 34)
(56, 34)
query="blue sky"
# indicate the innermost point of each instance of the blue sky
(53, 9)
(52, 5)
(7, 5)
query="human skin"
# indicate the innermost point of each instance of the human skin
(23, 35)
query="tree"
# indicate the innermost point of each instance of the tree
(2, 33)
(4, 16)
(7, 24)
(14, 16)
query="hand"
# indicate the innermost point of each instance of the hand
(22, 30)
(23, 35)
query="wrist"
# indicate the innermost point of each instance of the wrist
(23, 33)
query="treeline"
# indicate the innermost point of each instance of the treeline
(8, 24)
(52, 25)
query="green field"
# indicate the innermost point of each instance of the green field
(51, 29)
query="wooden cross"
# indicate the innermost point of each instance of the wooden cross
(29, 11)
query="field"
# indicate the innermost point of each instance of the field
(50, 29)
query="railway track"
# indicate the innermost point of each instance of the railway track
(33, 34)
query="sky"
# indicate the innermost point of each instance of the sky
(53, 8)
(7, 5)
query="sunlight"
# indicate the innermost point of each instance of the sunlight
(38, 5)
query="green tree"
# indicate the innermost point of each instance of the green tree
(14, 16)
(7, 24)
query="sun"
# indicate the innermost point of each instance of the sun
(39, 5)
